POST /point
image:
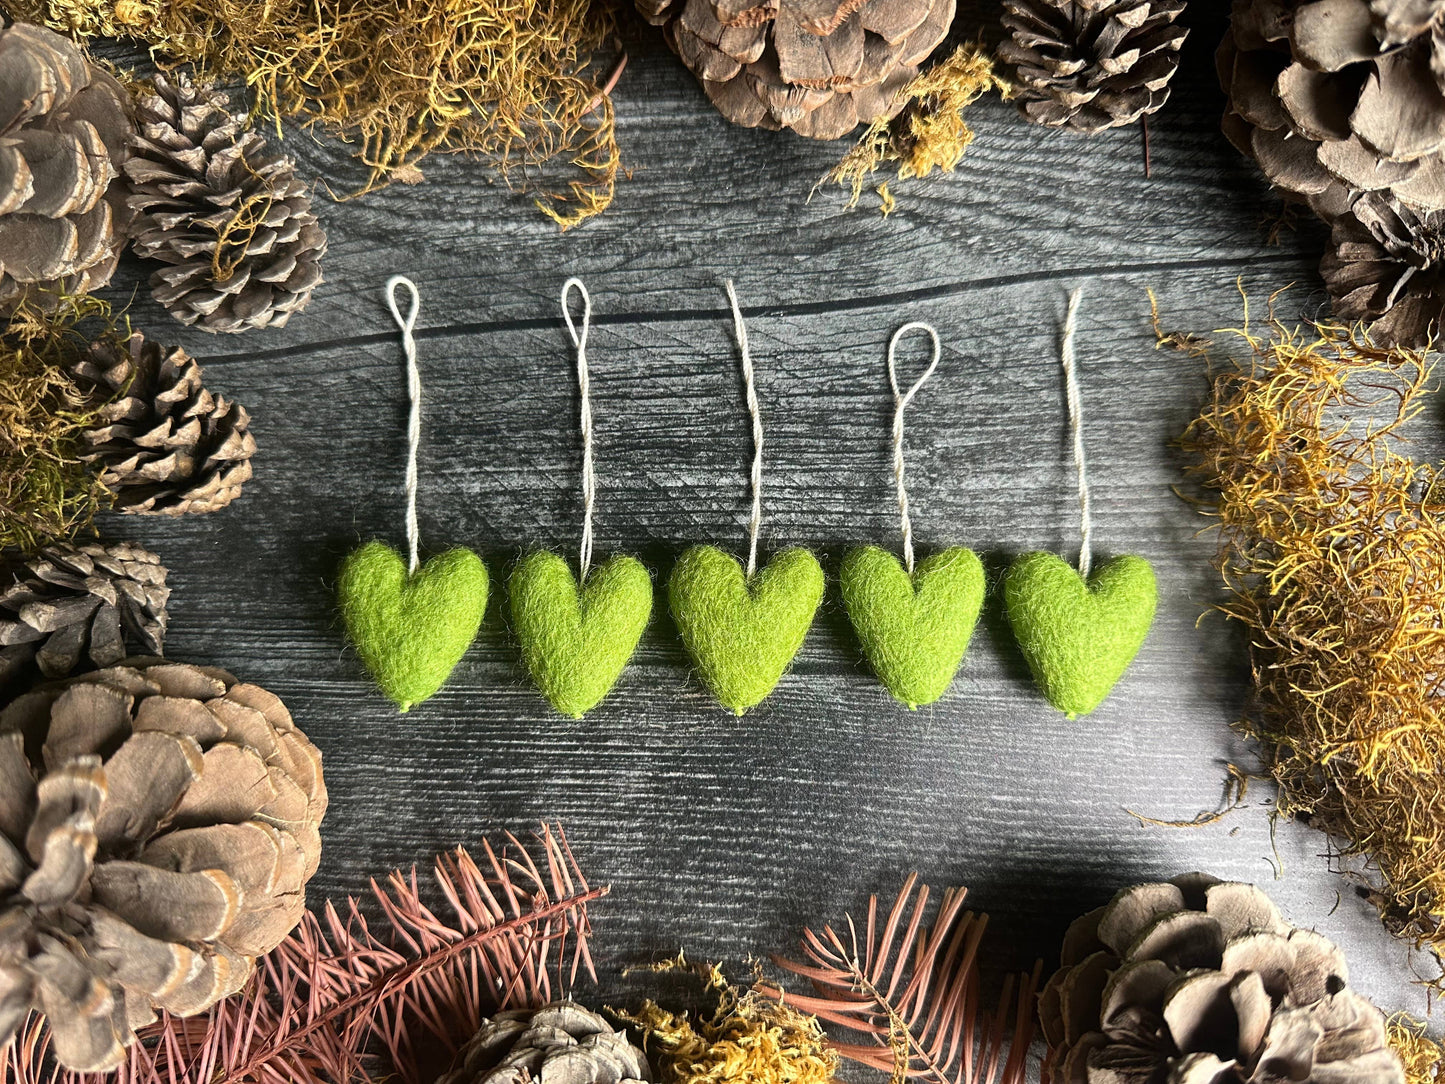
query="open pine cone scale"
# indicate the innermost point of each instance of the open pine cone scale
(158, 825)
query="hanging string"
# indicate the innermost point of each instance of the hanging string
(740, 329)
(589, 475)
(900, 401)
(1076, 428)
(407, 324)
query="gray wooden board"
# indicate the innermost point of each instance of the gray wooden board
(720, 835)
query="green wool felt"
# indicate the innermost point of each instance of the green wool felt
(411, 631)
(913, 629)
(743, 634)
(1079, 638)
(577, 642)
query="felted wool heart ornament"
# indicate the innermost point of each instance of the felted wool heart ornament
(1079, 637)
(576, 642)
(411, 630)
(914, 629)
(743, 633)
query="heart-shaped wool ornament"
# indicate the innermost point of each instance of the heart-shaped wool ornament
(1079, 636)
(743, 633)
(577, 642)
(914, 629)
(411, 629)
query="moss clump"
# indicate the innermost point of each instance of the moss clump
(928, 133)
(748, 1038)
(46, 491)
(1333, 551)
(510, 81)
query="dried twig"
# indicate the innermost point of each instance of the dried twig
(338, 1001)
(912, 992)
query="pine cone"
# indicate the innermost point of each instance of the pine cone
(158, 825)
(1337, 97)
(560, 1043)
(1198, 981)
(74, 601)
(819, 67)
(1386, 266)
(1342, 104)
(226, 213)
(165, 445)
(63, 129)
(1091, 64)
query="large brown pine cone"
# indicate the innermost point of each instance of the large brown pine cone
(158, 825)
(63, 130)
(75, 602)
(1342, 104)
(1091, 64)
(1198, 981)
(164, 443)
(1337, 97)
(225, 213)
(560, 1043)
(819, 67)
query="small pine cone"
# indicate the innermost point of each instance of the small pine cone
(226, 213)
(63, 130)
(560, 1043)
(1091, 64)
(1198, 981)
(74, 602)
(819, 67)
(165, 445)
(158, 826)
(1386, 267)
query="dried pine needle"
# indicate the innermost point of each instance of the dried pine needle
(928, 133)
(1422, 1056)
(510, 81)
(1333, 551)
(748, 1039)
(46, 492)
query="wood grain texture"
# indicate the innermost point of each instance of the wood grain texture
(722, 835)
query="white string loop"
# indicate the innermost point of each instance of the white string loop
(740, 329)
(900, 402)
(1076, 428)
(584, 385)
(407, 324)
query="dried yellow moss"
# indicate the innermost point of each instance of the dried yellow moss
(46, 492)
(749, 1039)
(510, 81)
(1422, 1056)
(928, 133)
(1333, 550)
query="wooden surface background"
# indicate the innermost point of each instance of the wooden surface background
(725, 835)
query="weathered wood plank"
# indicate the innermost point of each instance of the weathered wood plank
(718, 834)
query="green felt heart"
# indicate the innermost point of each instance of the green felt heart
(411, 631)
(576, 643)
(743, 634)
(1079, 638)
(913, 629)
